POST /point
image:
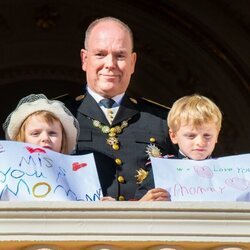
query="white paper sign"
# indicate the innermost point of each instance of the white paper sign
(31, 173)
(221, 179)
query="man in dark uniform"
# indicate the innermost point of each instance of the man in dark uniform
(114, 126)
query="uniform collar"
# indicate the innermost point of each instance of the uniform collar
(98, 98)
(126, 110)
(90, 108)
(183, 156)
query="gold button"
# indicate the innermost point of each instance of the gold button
(152, 139)
(116, 147)
(120, 179)
(121, 198)
(118, 161)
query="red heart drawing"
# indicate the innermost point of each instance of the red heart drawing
(35, 150)
(77, 165)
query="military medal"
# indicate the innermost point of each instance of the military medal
(153, 151)
(141, 175)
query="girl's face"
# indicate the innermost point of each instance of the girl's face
(44, 134)
(197, 143)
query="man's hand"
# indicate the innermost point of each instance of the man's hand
(156, 194)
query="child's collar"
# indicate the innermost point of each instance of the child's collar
(183, 156)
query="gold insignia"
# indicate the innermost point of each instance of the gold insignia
(153, 151)
(112, 132)
(133, 100)
(79, 98)
(112, 140)
(141, 175)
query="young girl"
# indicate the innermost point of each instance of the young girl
(44, 122)
(194, 125)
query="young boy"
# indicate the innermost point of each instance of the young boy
(44, 122)
(194, 124)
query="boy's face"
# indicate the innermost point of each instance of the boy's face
(197, 143)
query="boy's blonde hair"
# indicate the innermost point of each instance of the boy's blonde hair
(195, 110)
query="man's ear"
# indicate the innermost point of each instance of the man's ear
(83, 55)
(133, 61)
(173, 136)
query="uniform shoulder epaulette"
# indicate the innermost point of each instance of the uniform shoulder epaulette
(79, 97)
(60, 96)
(68, 99)
(133, 100)
(155, 103)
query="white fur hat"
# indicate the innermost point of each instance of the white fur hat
(39, 102)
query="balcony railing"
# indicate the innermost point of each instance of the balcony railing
(124, 225)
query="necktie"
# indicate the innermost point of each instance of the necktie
(107, 103)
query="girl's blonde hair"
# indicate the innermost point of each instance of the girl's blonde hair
(195, 110)
(48, 117)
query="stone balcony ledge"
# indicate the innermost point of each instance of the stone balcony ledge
(124, 225)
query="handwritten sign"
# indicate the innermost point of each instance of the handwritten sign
(221, 179)
(31, 173)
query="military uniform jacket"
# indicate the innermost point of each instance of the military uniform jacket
(118, 167)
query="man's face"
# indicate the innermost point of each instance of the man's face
(108, 60)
